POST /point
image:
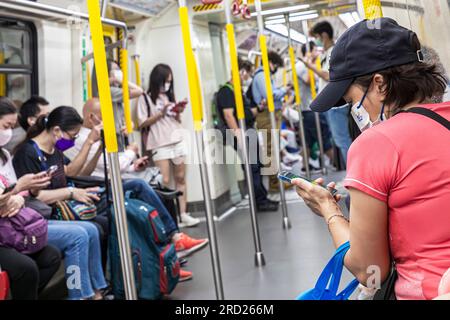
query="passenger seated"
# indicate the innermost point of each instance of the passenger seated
(398, 168)
(30, 110)
(28, 274)
(79, 241)
(184, 244)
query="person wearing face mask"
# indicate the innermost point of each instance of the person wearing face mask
(259, 97)
(337, 117)
(30, 110)
(226, 109)
(115, 80)
(78, 240)
(159, 118)
(398, 172)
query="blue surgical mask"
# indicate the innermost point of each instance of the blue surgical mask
(318, 42)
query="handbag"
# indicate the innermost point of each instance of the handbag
(75, 210)
(41, 207)
(328, 283)
(25, 232)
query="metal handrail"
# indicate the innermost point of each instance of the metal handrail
(48, 11)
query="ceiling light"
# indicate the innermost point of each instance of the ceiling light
(282, 10)
(304, 17)
(282, 30)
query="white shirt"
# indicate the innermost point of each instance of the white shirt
(7, 169)
(126, 158)
(325, 62)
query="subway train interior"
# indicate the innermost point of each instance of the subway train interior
(224, 149)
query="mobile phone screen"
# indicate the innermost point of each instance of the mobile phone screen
(288, 177)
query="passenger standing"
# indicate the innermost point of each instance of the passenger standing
(304, 78)
(399, 167)
(159, 117)
(259, 96)
(338, 116)
(226, 108)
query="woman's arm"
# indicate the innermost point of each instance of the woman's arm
(151, 120)
(51, 196)
(135, 90)
(367, 230)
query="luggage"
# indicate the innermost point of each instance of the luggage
(155, 263)
(328, 284)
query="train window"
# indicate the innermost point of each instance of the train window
(18, 60)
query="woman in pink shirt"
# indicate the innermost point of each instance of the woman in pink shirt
(159, 117)
(398, 172)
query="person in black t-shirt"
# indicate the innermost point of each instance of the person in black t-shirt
(226, 109)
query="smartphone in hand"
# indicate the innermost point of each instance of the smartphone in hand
(9, 189)
(52, 170)
(287, 176)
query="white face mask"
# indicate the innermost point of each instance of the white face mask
(5, 136)
(362, 117)
(167, 86)
(117, 74)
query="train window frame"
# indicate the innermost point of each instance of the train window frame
(31, 69)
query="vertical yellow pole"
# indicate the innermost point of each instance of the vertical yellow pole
(298, 99)
(120, 217)
(266, 67)
(372, 9)
(126, 90)
(137, 70)
(197, 114)
(89, 80)
(235, 72)
(102, 76)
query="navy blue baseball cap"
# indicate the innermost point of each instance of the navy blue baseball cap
(365, 48)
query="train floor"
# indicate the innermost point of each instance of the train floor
(294, 257)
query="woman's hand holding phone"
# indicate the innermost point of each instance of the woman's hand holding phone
(34, 182)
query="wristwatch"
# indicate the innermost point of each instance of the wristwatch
(71, 192)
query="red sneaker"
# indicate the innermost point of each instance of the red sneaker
(186, 245)
(185, 275)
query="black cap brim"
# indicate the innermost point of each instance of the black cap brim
(331, 96)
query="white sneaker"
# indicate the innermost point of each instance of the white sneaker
(291, 157)
(188, 221)
(285, 167)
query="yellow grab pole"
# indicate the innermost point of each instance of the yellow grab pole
(137, 70)
(89, 81)
(298, 99)
(102, 76)
(235, 72)
(120, 217)
(195, 94)
(259, 256)
(126, 90)
(266, 67)
(372, 9)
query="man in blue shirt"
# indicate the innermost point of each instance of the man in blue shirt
(260, 98)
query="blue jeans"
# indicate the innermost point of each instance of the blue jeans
(79, 243)
(338, 123)
(144, 192)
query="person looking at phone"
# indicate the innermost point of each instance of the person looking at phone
(226, 109)
(78, 240)
(398, 172)
(136, 178)
(162, 133)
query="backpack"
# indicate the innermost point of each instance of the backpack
(249, 93)
(155, 263)
(218, 121)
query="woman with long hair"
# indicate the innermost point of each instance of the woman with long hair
(159, 117)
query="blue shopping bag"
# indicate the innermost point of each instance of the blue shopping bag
(328, 284)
